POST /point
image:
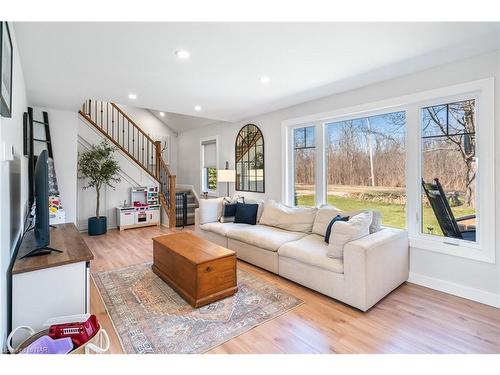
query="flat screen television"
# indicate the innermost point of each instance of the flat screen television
(41, 180)
(40, 240)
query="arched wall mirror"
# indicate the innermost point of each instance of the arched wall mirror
(249, 152)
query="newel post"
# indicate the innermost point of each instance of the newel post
(158, 158)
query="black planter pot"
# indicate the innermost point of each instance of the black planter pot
(97, 226)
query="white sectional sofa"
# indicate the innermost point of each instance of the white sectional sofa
(371, 267)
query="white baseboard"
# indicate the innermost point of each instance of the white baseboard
(459, 290)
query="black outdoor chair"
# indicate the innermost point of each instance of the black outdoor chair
(449, 225)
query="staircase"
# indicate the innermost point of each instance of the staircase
(128, 137)
(185, 217)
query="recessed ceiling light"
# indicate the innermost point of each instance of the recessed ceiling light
(264, 79)
(132, 96)
(162, 114)
(182, 54)
(197, 108)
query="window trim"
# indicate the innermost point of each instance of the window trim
(212, 193)
(483, 92)
(484, 247)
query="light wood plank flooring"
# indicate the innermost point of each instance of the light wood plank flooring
(412, 319)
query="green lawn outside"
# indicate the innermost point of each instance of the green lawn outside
(393, 215)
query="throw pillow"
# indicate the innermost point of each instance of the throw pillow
(297, 219)
(323, 218)
(210, 210)
(229, 208)
(260, 202)
(376, 223)
(347, 231)
(327, 213)
(246, 213)
(228, 212)
(329, 228)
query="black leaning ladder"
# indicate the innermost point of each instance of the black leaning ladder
(30, 141)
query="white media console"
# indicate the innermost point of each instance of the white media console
(51, 285)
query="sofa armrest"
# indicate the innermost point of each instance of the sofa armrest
(196, 218)
(376, 264)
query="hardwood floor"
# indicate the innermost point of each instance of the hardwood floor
(412, 319)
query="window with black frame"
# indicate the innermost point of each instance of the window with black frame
(449, 170)
(304, 156)
(249, 152)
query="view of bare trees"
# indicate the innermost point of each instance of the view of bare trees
(371, 151)
(305, 164)
(367, 152)
(449, 146)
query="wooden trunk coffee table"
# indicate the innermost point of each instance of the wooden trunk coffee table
(199, 270)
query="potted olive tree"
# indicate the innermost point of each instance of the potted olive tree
(98, 167)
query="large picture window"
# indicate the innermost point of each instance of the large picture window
(424, 160)
(449, 170)
(366, 165)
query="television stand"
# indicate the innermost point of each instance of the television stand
(53, 285)
(40, 251)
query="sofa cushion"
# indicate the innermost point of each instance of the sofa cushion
(221, 228)
(329, 228)
(325, 215)
(298, 219)
(210, 210)
(347, 231)
(312, 250)
(263, 236)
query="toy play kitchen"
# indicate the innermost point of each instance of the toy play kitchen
(143, 211)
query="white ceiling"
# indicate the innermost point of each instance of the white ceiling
(180, 123)
(64, 63)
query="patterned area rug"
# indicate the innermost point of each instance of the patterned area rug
(150, 317)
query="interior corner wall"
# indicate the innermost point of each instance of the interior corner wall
(465, 277)
(13, 182)
(64, 137)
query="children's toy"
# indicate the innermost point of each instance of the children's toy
(79, 332)
(47, 345)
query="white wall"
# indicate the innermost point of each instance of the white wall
(64, 134)
(465, 277)
(13, 182)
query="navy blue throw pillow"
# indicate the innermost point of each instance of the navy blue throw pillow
(329, 228)
(229, 210)
(246, 213)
